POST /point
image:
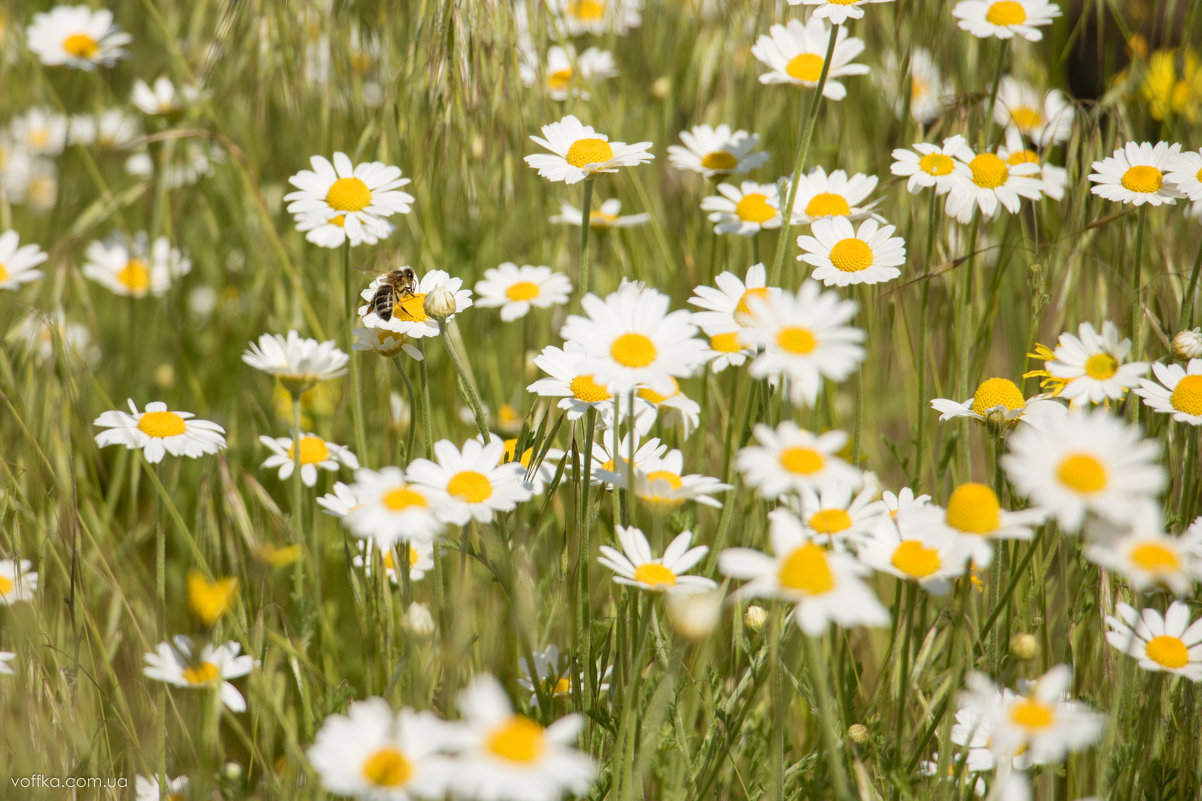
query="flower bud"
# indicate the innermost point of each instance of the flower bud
(1024, 646)
(418, 621)
(440, 303)
(1188, 344)
(694, 615)
(857, 733)
(755, 617)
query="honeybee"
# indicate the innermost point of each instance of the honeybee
(394, 286)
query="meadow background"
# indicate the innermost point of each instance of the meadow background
(434, 88)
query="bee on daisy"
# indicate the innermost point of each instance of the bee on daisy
(314, 453)
(1177, 391)
(845, 255)
(179, 664)
(636, 566)
(713, 151)
(1135, 174)
(135, 268)
(1004, 19)
(156, 431)
(409, 314)
(354, 198)
(579, 152)
(77, 36)
(17, 261)
(795, 53)
(518, 289)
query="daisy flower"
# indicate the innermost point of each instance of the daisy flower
(1044, 119)
(1040, 721)
(112, 129)
(987, 182)
(148, 789)
(647, 454)
(636, 567)
(1146, 556)
(385, 343)
(475, 482)
(570, 381)
(931, 558)
(602, 218)
(794, 54)
(579, 152)
(516, 289)
(76, 36)
(176, 664)
(845, 255)
(357, 199)
(158, 432)
(1136, 174)
(999, 401)
(375, 753)
(713, 151)
(42, 132)
(1169, 643)
(299, 363)
(387, 506)
(725, 312)
(631, 339)
(505, 756)
(1054, 178)
(129, 268)
(409, 316)
(974, 516)
(904, 499)
(45, 334)
(660, 482)
(836, 515)
(556, 682)
(17, 261)
(162, 99)
(673, 409)
(1185, 173)
(1004, 19)
(595, 16)
(837, 11)
(826, 585)
(928, 87)
(804, 340)
(1085, 462)
(1179, 391)
(835, 195)
(542, 475)
(930, 165)
(17, 582)
(421, 559)
(744, 210)
(5, 668)
(564, 72)
(1091, 368)
(315, 452)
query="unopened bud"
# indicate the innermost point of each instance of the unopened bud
(440, 303)
(231, 770)
(1188, 344)
(1024, 646)
(694, 615)
(661, 87)
(417, 620)
(857, 733)
(755, 617)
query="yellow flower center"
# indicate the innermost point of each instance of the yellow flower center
(203, 673)
(411, 309)
(830, 521)
(560, 686)
(589, 150)
(599, 219)
(915, 559)
(988, 171)
(936, 164)
(338, 220)
(851, 255)
(6, 586)
(161, 424)
(1006, 12)
(387, 767)
(522, 290)
(1187, 395)
(559, 80)
(1142, 178)
(997, 392)
(655, 575)
(674, 481)
(518, 739)
(511, 446)
(134, 276)
(651, 396)
(398, 499)
(1155, 557)
(38, 138)
(743, 313)
(1023, 157)
(918, 89)
(470, 486)
(1082, 472)
(584, 388)
(828, 204)
(974, 509)
(1031, 714)
(348, 194)
(80, 45)
(1101, 366)
(210, 601)
(796, 340)
(719, 160)
(726, 343)
(753, 208)
(389, 565)
(1026, 118)
(806, 570)
(1167, 652)
(312, 450)
(805, 461)
(806, 67)
(3, 274)
(633, 350)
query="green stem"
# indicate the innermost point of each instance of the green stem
(427, 414)
(1188, 314)
(1136, 281)
(356, 390)
(997, 79)
(585, 224)
(776, 766)
(799, 162)
(924, 301)
(584, 549)
(826, 718)
(465, 376)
